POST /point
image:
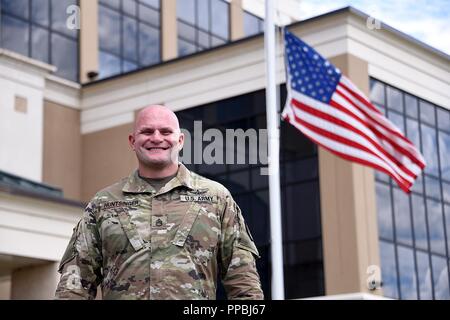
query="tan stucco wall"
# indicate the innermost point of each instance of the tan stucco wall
(37, 282)
(5, 288)
(107, 158)
(236, 20)
(169, 29)
(88, 38)
(348, 212)
(62, 149)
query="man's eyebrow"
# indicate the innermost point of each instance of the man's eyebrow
(153, 129)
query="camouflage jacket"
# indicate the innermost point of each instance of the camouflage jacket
(140, 244)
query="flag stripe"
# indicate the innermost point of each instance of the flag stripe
(349, 153)
(396, 152)
(333, 114)
(342, 131)
(386, 126)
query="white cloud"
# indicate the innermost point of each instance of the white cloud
(428, 21)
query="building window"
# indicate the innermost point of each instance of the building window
(38, 29)
(202, 24)
(252, 24)
(299, 191)
(414, 229)
(129, 35)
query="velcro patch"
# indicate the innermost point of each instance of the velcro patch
(120, 203)
(198, 198)
(159, 221)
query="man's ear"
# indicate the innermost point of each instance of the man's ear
(131, 141)
(181, 140)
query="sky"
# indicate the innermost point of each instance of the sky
(427, 21)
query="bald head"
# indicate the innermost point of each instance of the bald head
(156, 112)
(156, 140)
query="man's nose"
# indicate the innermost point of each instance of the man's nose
(156, 137)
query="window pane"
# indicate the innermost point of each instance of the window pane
(216, 41)
(397, 119)
(427, 112)
(40, 12)
(251, 25)
(15, 35)
(420, 223)
(377, 92)
(240, 181)
(220, 15)
(418, 184)
(60, 16)
(402, 217)
(109, 65)
(148, 15)
(302, 222)
(40, 44)
(154, 3)
(424, 275)
(108, 29)
(432, 187)
(203, 14)
(443, 119)
(394, 99)
(129, 66)
(130, 39)
(413, 132)
(446, 192)
(407, 270)
(384, 211)
(112, 3)
(65, 57)
(19, 8)
(148, 45)
(203, 39)
(436, 226)
(260, 210)
(447, 223)
(301, 170)
(444, 154)
(258, 180)
(430, 153)
(388, 270)
(186, 11)
(186, 32)
(440, 275)
(129, 7)
(185, 48)
(411, 107)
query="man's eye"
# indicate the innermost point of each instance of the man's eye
(166, 132)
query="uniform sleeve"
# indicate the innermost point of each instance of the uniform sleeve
(237, 255)
(80, 266)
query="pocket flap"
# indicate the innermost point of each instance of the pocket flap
(130, 229)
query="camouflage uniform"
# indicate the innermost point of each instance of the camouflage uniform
(171, 244)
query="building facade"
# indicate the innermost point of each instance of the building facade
(69, 95)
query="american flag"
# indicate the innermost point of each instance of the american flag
(331, 111)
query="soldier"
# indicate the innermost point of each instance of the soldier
(162, 233)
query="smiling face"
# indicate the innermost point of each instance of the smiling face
(156, 140)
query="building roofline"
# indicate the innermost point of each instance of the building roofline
(347, 9)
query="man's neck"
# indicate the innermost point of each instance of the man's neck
(158, 173)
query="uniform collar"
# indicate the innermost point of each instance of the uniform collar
(136, 184)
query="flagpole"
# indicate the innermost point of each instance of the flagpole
(274, 154)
